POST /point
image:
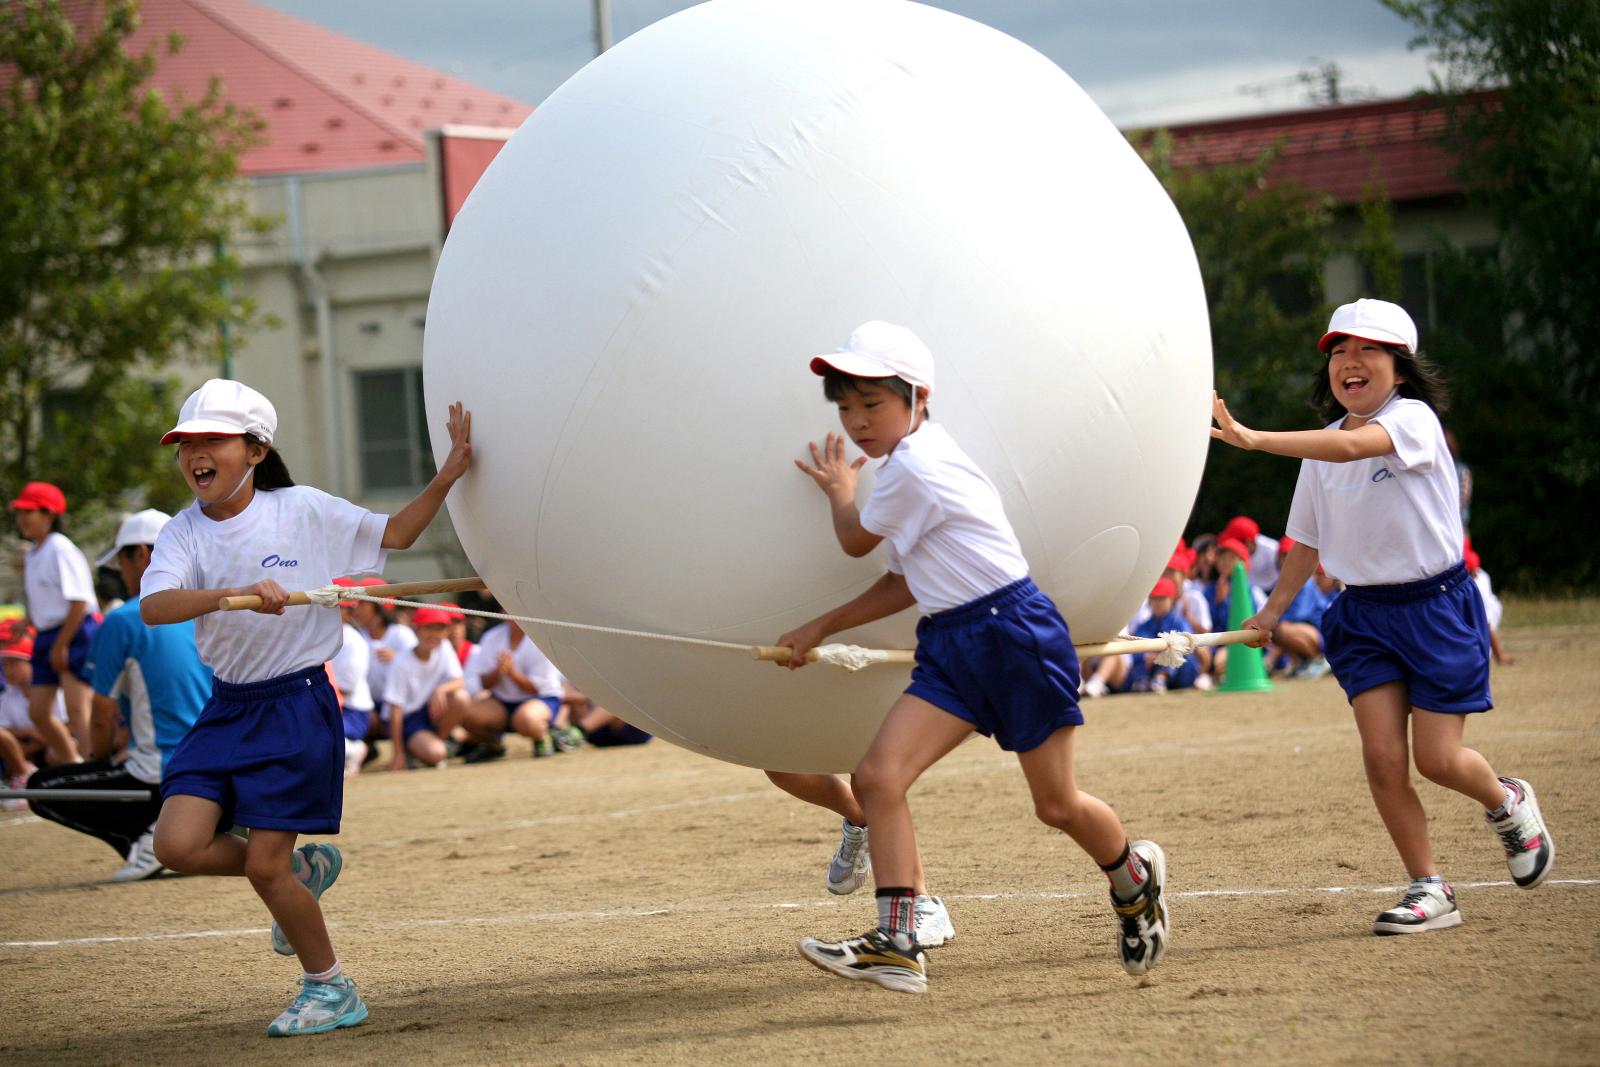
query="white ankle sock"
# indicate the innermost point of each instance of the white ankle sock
(328, 975)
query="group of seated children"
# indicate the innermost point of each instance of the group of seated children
(424, 687)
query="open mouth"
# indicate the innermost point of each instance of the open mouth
(1354, 384)
(203, 476)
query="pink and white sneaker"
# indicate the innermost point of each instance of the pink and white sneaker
(1530, 850)
(1425, 906)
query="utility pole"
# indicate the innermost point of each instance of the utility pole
(602, 26)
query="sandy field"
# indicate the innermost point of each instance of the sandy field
(643, 906)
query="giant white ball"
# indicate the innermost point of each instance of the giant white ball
(629, 298)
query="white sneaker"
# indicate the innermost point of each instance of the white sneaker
(852, 861)
(1530, 850)
(142, 862)
(18, 781)
(1203, 682)
(355, 754)
(1425, 906)
(932, 923)
(1143, 924)
(1094, 687)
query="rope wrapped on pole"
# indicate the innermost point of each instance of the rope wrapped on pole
(330, 595)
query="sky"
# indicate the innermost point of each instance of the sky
(1143, 61)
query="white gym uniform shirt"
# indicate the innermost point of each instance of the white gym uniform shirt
(412, 680)
(527, 657)
(350, 670)
(398, 639)
(55, 573)
(942, 523)
(298, 536)
(1390, 519)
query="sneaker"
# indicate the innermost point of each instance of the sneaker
(355, 755)
(933, 924)
(320, 1007)
(851, 861)
(872, 957)
(18, 781)
(1158, 684)
(1425, 906)
(1315, 668)
(325, 862)
(1203, 682)
(142, 862)
(1142, 922)
(542, 748)
(566, 738)
(482, 752)
(1530, 850)
(1095, 687)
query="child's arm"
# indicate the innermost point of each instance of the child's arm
(837, 478)
(1298, 566)
(181, 605)
(1330, 446)
(407, 524)
(889, 594)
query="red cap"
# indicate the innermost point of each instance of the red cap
(430, 617)
(41, 496)
(454, 611)
(369, 581)
(1285, 545)
(21, 648)
(1164, 587)
(1240, 528)
(1179, 561)
(1234, 545)
(1472, 561)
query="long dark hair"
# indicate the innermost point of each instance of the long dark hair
(271, 472)
(1420, 379)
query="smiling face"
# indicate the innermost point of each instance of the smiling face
(1362, 375)
(214, 466)
(876, 417)
(428, 639)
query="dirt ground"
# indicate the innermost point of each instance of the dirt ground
(643, 906)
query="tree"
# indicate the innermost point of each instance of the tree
(116, 206)
(1522, 90)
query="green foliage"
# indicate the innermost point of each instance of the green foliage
(1529, 150)
(1261, 248)
(115, 206)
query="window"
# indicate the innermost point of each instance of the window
(393, 434)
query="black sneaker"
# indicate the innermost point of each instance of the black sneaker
(1142, 922)
(483, 753)
(872, 957)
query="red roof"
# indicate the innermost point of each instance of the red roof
(1336, 150)
(330, 102)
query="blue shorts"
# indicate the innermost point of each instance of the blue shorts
(1004, 663)
(511, 706)
(77, 653)
(1179, 677)
(357, 724)
(414, 722)
(271, 753)
(1433, 635)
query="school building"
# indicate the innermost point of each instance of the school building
(368, 156)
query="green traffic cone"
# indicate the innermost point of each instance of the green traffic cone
(1246, 671)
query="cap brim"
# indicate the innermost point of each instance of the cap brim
(108, 557)
(196, 426)
(1381, 336)
(849, 363)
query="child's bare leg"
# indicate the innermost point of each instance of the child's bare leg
(453, 708)
(1301, 640)
(269, 864)
(187, 839)
(427, 747)
(532, 720)
(827, 791)
(1381, 715)
(485, 720)
(58, 743)
(11, 753)
(77, 694)
(1442, 758)
(1059, 802)
(914, 736)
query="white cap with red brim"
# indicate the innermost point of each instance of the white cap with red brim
(880, 350)
(223, 406)
(1372, 320)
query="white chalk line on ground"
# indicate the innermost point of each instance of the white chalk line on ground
(530, 918)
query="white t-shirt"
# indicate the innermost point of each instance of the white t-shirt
(350, 670)
(14, 709)
(412, 680)
(397, 639)
(54, 574)
(1386, 520)
(942, 522)
(1264, 563)
(299, 536)
(527, 657)
(1491, 603)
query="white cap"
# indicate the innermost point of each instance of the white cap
(223, 406)
(1372, 320)
(880, 350)
(140, 528)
